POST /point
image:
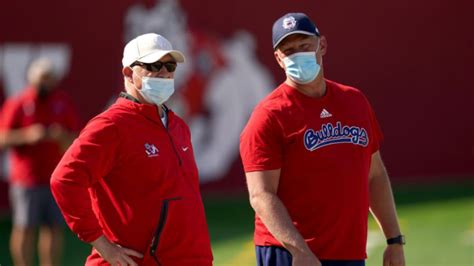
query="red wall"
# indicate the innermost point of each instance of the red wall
(413, 59)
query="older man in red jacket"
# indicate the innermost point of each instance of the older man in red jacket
(129, 184)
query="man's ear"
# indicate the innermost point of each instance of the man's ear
(324, 45)
(278, 59)
(128, 73)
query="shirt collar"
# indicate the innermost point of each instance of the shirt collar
(304, 98)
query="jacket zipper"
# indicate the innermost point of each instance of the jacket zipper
(159, 229)
(174, 147)
(165, 109)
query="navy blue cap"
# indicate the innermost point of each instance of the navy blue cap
(292, 23)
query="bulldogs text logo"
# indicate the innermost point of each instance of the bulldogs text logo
(329, 135)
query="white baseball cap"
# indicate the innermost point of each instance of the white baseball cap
(149, 48)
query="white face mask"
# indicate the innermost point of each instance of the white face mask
(156, 90)
(302, 67)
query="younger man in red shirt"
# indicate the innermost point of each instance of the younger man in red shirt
(311, 155)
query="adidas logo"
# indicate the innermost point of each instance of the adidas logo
(325, 114)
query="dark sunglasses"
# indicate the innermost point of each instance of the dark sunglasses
(155, 67)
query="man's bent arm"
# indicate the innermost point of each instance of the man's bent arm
(22, 136)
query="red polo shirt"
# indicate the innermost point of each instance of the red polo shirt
(32, 165)
(323, 147)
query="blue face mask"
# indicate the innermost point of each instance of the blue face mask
(302, 67)
(156, 90)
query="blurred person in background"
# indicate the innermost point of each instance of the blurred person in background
(129, 184)
(37, 126)
(311, 155)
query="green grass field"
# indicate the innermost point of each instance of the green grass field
(438, 222)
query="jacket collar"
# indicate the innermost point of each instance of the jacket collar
(150, 111)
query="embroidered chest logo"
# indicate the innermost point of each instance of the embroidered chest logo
(151, 150)
(329, 135)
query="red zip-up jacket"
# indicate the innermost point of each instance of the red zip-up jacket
(135, 181)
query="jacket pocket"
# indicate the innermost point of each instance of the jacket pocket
(159, 229)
